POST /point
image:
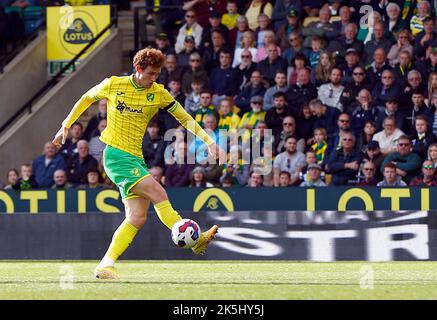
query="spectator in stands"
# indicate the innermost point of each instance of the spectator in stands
(96, 145)
(391, 110)
(60, 178)
(314, 179)
(429, 64)
(236, 34)
(255, 88)
(250, 119)
(296, 47)
(385, 90)
(11, 179)
(189, 48)
(352, 60)
(363, 112)
(214, 25)
(228, 120)
(321, 28)
(205, 107)
(374, 69)
(288, 129)
(174, 88)
(417, 22)
(306, 120)
(268, 37)
(302, 92)
(322, 71)
(198, 179)
(27, 180)
(346, 42)
(190, 28)
(153, 146)
(378, 41)
(255, 180)
(425, 39)
(290, 160)
(280, 86)
(344, 163)
(284, 179)
(272, 64)
(388, 137)
(229, 19)
(264, 25)
(157, 174)
(325, 117)
(352, 89)
(432, 153)
(195, 70)
(344, 125)
(319, 144)
(407, 162)
(45, 165)
(276, 115)
(211, 54)
(198, 149)
(236, 168)
(394, 23)
(69, 148)
(317, 47)
(414, 83)
(403, 67)
(369, 178)
(391, 178)
(205, 8)
(417, 108)
(298, 63)
(163, 43)
(93, 180)
(254, 8)
(178, 173)
(245, 69)
(79, 164)
(92, 127)
(283, 9)
(330, 93)
(427, 178)
(223, 79)
(310, 158)
(213, 172)
(192, 102)
(374, 155)
(422, 138)
(367, 134)
(402, 45)
(248, 42)
(285, 30)
(170, 69)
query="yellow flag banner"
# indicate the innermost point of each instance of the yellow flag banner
(70, 29)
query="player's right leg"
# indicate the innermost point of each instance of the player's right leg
(150, 189)
(136, 215)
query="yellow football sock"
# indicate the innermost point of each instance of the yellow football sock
(167, 214)
(121, 240)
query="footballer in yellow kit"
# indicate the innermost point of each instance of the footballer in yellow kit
(132, 102)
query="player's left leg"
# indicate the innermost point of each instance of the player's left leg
(150, 189)
(136, 215)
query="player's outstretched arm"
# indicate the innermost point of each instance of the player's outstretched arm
(96, 93)
(190, 124)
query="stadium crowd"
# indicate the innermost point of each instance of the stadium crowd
(349, 95)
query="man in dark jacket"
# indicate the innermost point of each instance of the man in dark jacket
(301, 92)
(45, 165)
(153, 146)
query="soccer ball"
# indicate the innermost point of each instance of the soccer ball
(185, 233)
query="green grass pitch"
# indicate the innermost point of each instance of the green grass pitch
(220, 280)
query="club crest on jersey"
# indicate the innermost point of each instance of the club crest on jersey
(150, 97)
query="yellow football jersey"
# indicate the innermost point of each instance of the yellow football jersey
(130, 108)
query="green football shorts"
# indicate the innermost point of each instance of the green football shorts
(124, 169)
